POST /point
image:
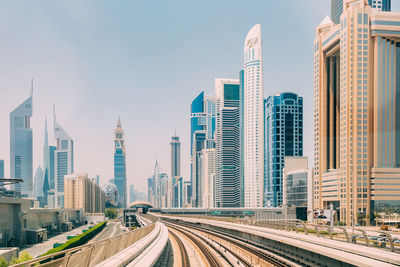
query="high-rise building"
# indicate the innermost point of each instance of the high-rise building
(208, 171)
(131, 193)
(202, 128)
(337, 8)
(283, 137)
(120, 164)
(178, 192)
(175, 156)
(381, 5)
(356, 99)
(21, 146)
(48, 160)
(80, 192)
(1, 168)
(228, 185)
(63, 160)
(297, 187)
(253, 119)
(98, 179)
(38, 183)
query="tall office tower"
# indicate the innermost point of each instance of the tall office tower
(178, 192)
(48, 160)
(227, 139)
(337, 8)
(38, 183)
(175, 156)
(131, 193)
(98, 179)
(63, 159)
(356, 98)
(187, 194)
(208, 172)
(381, 5)
(120, 164)
(21, 146)
(1, 168)
(150, 191)
(253, 119)
(283, 137)
(202, 128)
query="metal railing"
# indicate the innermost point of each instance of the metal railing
(91, 254)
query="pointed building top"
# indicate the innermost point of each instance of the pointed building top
(119, 122)
(326, 20)
(31, 86)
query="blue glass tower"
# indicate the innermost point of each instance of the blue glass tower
(283, 137)
(21, 147)
(120, 165)
(202, 128)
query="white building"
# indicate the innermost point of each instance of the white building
(207, 177)
(253, 120)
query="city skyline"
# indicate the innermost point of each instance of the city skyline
(76, 95)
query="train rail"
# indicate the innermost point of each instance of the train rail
(182, 249)
(264, 255)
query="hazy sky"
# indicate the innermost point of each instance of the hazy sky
(143, 61)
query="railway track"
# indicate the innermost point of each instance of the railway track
(182, 249)
(266, 256)
(212, 261)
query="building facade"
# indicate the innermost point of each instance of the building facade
(253, 119)
(337, 8)
(63, 160)
(38, 183)
(81, 192)
(356, 97)
(228, 183)
(297, 186)
(283, 137)
(21, 147)
(208, 172)
(120, 164)
(175, 167)
(202, 128)
(1, 168)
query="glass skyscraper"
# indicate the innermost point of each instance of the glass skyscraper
(253, 119)
(120, 164)
(175, 165)
(21, 147)
(1, 168)
(227, 138)
(283, 137)
(202, 128)
(63, 159)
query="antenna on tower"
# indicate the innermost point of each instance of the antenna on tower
(54, 112)
(31, 86)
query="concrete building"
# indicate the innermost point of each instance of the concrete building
(283, 137)
(21, 147)
(228, 185)
(27, 224)
(208, 172)
(120, 164)
(297, 186)
(80, 192)
(337, 8)
(356, 99)
(253, 119)
(202, 129)
(63, 159)
(187, 194)
(175, 165)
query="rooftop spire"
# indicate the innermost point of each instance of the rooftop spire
(31, 86)
(46, 135)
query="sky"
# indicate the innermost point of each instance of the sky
(144, 61)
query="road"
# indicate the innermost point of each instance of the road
(112, 229)
(41, 248)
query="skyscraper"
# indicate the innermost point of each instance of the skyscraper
(283, 137)
(131, 193)
(227, 138)
(356, 99)
(175, 156)
(38, 183)
(202, 128)
(48, 160)
(253, 119)
(207, 169)
(63, 159)
(1, 168)
(337, 8)
(21, 146)
(175, 166)
(120, 164)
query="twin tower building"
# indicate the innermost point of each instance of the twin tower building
(239, 139)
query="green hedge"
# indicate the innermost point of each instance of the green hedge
(78, 240)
